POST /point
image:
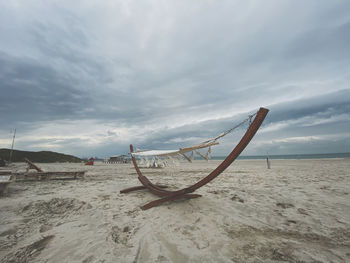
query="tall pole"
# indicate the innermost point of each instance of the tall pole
(13, 142)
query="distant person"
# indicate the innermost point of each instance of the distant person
(2, 162)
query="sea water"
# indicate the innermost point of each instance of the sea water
(289, 156)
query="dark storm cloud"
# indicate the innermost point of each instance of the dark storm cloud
(326, 105)
(326, 115)
(30, 91)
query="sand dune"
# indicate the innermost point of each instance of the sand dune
(298, 211)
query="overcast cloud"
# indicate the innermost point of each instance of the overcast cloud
(90, 77)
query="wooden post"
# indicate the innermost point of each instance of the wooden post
(5, 180)
(4, 189)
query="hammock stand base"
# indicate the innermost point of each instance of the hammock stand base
(185, 193)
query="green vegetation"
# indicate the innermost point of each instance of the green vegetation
(38, 157)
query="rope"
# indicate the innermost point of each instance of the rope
(249, 119)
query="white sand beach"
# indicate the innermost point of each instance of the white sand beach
(297, 211)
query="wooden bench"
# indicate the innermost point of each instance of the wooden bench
(40, 174)
(37, 176)
(5, 172)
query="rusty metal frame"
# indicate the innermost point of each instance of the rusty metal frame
(185, 193)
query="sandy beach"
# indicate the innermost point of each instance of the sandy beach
(297, 211)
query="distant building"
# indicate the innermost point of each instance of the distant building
(119, 159)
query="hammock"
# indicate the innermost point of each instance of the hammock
(193, 148)
(185, 193)
(175, 153)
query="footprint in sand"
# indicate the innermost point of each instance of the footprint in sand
(237, 198)
(28, 253)
(121, 235)
(285, 205)
(302, 211)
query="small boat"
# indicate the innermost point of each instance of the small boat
(90, 162)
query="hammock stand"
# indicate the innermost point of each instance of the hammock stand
(185, 193)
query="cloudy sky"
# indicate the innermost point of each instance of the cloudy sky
(90, 77)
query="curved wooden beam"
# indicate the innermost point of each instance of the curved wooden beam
(247, 137)
(184, 193)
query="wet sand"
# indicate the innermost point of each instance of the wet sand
(297, 211)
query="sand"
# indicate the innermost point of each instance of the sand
(297, 211)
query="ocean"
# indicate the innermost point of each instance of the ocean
(289, 156)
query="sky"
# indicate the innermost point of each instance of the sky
(89, 78)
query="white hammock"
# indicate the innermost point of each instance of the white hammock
(174, 152)
(194, 148)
